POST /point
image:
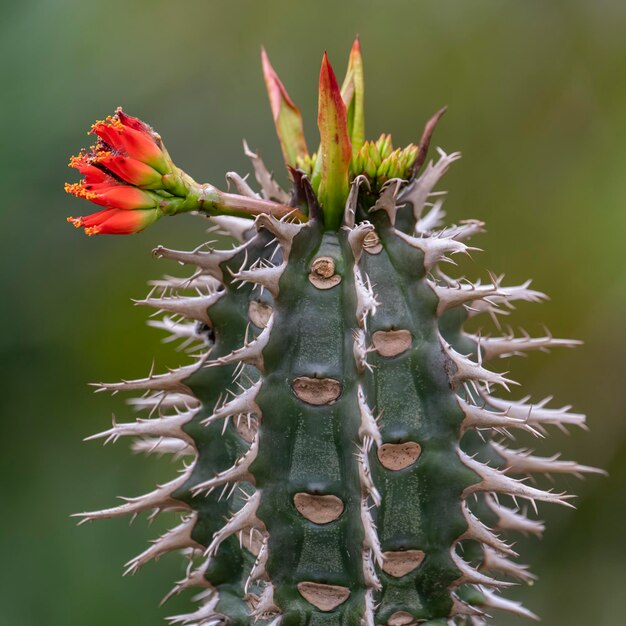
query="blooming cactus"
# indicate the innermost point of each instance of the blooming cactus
(345, 458)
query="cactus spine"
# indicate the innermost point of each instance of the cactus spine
(340, 433)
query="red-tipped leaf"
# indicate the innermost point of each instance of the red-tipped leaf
(287, 116)
(352, 92)
(335, 148)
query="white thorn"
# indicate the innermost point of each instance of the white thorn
(283, 230)
(194, 577)
(370, 609)
(242, 404)
(418, 191)
(523, 462)
(170, 426)
(264, 605)
(432, 220)
(360, 350)
(366, 301)
(435, 249)
(370, 540)
(176, 539)
(271, 189)
(492, 601)
(207, 261)
(237, 472)
(509, 295)
(467, 370)
(457, 294)
(163, 401)
(536, 414)
(264, 275)
(163, 445)
(500, 347)
(513, 520)
(246, 516)
(477, 531)
(479, 417)
(356, 238)
(202, 282)
(387, 198)
(349, 213)
(494, 562)
(159, 500)
(471, 576)
(496, 481)
(251, 353)
(369, 571)
(258, 571)
(365, 476)
(204, 616)
(172, 381)
(368, 427)
(242, 188)
(177, 330)
(190, 307)
(465, 230)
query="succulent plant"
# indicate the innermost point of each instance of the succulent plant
(343, 444)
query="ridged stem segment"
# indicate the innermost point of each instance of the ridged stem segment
(308, 438)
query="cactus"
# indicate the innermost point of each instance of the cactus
(342, 440)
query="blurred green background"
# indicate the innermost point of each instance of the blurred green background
(537, 96)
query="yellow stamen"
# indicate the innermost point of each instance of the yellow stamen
(76, 222)
(78, 190)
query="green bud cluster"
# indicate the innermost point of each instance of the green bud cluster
(379, 162)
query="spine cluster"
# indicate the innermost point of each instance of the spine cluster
(342, 442)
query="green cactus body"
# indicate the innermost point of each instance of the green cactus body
(339, 429)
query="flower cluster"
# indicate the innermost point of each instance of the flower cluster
(129, 172)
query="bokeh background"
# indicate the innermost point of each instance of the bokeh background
(537, 96)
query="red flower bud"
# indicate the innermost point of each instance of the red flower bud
(131, 170)
(131, 137)
(116, 221)
(113, 195)
(91, 173)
